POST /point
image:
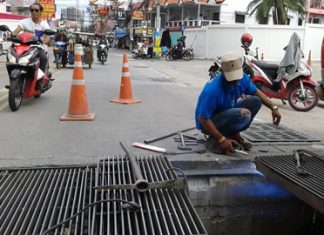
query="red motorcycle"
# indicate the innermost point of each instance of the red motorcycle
(23, 68)
(297, 87)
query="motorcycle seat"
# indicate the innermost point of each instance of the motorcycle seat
(266, 66)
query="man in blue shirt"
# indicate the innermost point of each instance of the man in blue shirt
(221, 114)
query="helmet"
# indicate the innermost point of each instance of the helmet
(246, 40)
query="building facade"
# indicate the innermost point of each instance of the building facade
(316, 12)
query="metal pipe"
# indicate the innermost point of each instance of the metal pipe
(166, 136)
(141, 184)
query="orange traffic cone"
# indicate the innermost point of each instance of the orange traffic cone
(78, 107)
(125, 92)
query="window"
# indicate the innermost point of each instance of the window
(316, 21)
(300, 21)
(239, 17)
(215, 16)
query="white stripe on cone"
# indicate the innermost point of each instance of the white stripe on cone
(78, 82)
(125, 74)
(78, 64)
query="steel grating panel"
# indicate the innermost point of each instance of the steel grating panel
(162, 211)
(68, 201)
(31, 201)
(282, 170)
(267, 132)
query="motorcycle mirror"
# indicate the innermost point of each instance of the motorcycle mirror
(49, 32)
(4, 28)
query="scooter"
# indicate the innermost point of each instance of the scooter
(186, 54)
(23, 68)
(102, 53)
(141, 51)
(60, 54)
(298, 88)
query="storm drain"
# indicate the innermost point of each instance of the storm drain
(32, 201)
(306, 181)
(102, 199)
(163, 209)
(267, 132)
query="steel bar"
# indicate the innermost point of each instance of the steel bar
(141, 183)
(148, 141)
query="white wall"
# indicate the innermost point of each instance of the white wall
(216, 40)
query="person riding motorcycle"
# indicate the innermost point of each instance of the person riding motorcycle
(179, 48)
(36, 26)
(102, 41)
(61, 37)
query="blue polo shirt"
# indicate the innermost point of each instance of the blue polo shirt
(218, 95)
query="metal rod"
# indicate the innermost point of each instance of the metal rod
(141, 184)
(166, 136)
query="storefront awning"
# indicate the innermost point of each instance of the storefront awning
(7, 16)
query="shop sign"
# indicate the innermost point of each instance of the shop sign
(144, 31)
(49, 8)
(138, 15)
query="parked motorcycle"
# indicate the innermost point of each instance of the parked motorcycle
(141, 51)
(297, 87)
(60, 54)
(102, 53)
(23, 68)
(186, 54)
(215, 69)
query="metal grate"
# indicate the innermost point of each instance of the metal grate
(162, 210)
(36, 201)
(31, 201)
(282, 170)
(267, 132)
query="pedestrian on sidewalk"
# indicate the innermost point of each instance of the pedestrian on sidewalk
(222, 114)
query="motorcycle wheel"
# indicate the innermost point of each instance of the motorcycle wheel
(302, 104)
(186, 57)
(169, 57)
(102, 59)
(15, 94)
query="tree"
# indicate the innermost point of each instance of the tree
(278, 8)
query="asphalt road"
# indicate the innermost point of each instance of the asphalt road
(168, 90)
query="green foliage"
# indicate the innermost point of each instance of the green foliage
(278, 8)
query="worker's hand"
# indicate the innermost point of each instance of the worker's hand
(276, 117)
(227, 145)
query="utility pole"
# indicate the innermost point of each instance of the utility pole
(158, 17)
(157, 34)
(77, 14)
